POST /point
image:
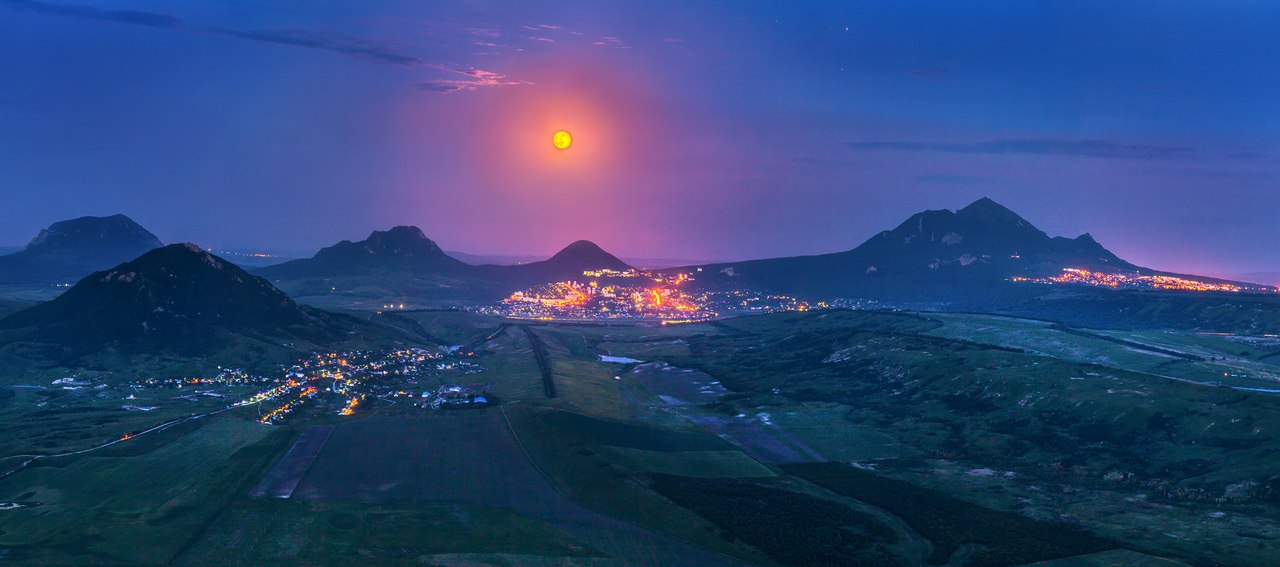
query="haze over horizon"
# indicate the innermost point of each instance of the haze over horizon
(776, 131)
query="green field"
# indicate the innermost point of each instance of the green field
(318, 532)
(1154, 352)
(978, 440)
(139, 506)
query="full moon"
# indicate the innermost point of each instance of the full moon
(561, 140)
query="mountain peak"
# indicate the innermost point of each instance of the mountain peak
(178, 297)
(984, 203)
(990, 210)
(983, 237)
(581, 247)
(404, 232)
(400, 247)
(89, 230)
(588, 255)
(71, 249)
(182, 252)
(401, 241)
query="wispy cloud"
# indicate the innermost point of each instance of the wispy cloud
(310, 39)
(328, 41)
(533, 36)
(1041, 146)
(463, 78)
(612, 41)
(472, 79)
(132, 17)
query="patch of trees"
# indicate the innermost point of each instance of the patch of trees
(790, 527)
(1005, 538)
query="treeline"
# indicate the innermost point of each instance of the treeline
(544, 365)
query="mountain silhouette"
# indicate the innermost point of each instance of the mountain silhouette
(932, 252)
(567, 264)
(402, 249)
(403, 262)
(68, 250)
(177, 298)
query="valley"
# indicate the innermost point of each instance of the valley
(1073, 437)
(631, 284)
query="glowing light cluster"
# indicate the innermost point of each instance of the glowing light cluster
(350, 408)
(1080, 276)
(613, 294)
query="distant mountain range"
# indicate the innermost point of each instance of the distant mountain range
(181, 299)
(176, 299)
(70, 249)
(936, 255)
(402, 262)
(511, 260)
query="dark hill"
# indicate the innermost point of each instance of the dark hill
(586, 255)
(983, 236)
(403, 263)
(177, 299)
(568, 263)
(402, 249)
(70, 249)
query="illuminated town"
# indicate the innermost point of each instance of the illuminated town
(1078, 276)
(633, 294)
(339, 382)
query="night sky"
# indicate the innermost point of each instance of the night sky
(702, 130)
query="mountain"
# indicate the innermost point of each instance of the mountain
(583, 255)
(568, 263)
(403, 265)
(70, 249)
(937, 250)
(177, 299)
(984, 236)
(401, 249)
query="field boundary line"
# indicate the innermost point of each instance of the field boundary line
(731, 559)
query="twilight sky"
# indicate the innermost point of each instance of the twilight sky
(702, 130)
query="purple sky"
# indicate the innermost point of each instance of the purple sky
(702, 130)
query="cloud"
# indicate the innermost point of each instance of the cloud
(611, 41)
(328, 41)
(487, 31)
(439, 86)
(467, 78)
(325, 41)
(132, 17)
(1040, 146)
(474, 79)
